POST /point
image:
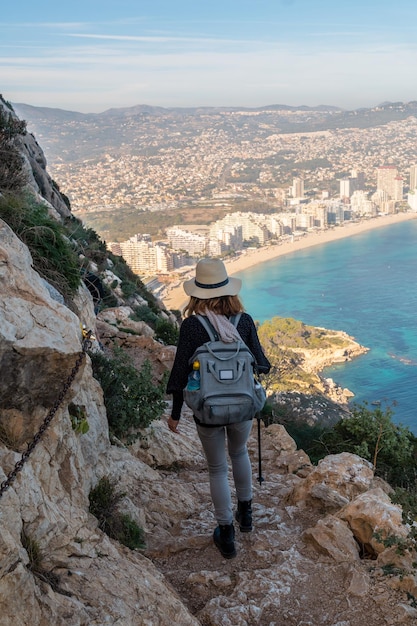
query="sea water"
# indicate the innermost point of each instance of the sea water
(365, 285)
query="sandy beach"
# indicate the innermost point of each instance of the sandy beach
(176, 298)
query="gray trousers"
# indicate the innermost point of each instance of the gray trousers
(214, 441)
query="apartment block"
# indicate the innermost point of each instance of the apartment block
(389, 181)
(180, 239)
(413, 177)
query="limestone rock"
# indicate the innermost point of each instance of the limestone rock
(120, 317)
(337, 479)
(39, 179)
(139, 347)
(373, 512)
(332, 537)
(40, 340)
(158, 448)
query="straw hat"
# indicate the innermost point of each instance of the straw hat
(211, 281)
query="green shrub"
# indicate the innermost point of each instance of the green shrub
(128, 288)
(166, 332)
(131, 397)
(87, 242)
(407, 499)
(144, 314)
(104, 501)
(53, 255)
(372, 435)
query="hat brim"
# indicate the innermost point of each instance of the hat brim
(231, 289)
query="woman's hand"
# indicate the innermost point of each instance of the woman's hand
(173, 425)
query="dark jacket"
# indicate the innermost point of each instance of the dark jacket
(192, 336)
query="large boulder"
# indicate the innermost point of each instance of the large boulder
(337, 479)
(372, 518)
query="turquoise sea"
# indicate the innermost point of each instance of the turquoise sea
(365, 285)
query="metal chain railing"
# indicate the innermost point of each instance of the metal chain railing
(86, 344)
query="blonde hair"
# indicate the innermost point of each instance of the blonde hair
(222, 305)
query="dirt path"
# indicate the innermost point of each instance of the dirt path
(276, 578)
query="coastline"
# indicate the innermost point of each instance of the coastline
(176, 298)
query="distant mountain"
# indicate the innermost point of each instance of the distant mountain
(69, 136)
(36, 113)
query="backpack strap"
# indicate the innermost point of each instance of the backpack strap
(234, 319)
(208, 326)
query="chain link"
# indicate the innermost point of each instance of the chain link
(86, 345)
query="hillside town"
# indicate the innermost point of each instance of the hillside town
(267, 186)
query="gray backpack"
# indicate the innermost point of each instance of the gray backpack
(229, 392)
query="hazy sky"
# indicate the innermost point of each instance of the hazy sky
(93, 55)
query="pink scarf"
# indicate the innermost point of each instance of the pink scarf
(225, 329)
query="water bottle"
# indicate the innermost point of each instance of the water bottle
(194, 377)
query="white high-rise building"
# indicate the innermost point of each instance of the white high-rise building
(389, 181)
(412, 200)
(346, 188)
(145, 257)
(297, 188)
(253, 226)
(180, 239)
(361, 205)
(398, 189)
(413, 177)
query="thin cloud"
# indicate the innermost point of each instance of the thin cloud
(158, 39)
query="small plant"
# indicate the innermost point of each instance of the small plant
(390, 570)
(78, 417)
(407, 499)
(401, 544)
(412, 600)
(33, 550)
(8, 439)
(35, 563)
(131, 397)
(104, 501)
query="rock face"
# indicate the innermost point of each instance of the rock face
(38, 180)
(99, 581)
(115, 328)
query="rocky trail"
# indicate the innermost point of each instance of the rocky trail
(277, 577)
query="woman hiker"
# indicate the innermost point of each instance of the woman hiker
(215, 295)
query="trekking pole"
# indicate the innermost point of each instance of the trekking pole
(260, 477)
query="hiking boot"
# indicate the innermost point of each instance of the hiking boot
(244, 516)
(224, 539)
